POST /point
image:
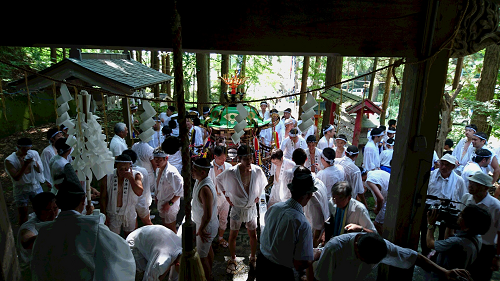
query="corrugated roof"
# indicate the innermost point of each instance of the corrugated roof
(129, 72)
(333, 94)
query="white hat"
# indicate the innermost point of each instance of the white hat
(481, 178)
(450, 158)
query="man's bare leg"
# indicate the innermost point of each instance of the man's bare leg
(232, 243)
(221, 232)
(253, 242)
(207, 262)
(146, 220)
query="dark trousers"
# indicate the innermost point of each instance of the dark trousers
(480, 269)
(268, 270)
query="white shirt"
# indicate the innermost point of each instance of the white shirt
(371, 158)
(25, 254)
(231, 184)
(487, 169)
(198, 137)
(323, 143)
(331, 175)
(317, 159)
(129, 198)
(197, 207)
(56, 169)
(264, 116)
(492, 205)
(221, 199)
(117, 145)
(28, 182)
(316, 210)
(470, 169)
(352, 175)
(356, 213)
(338, 260)
(47, 154)
(144, 156)
(386, 157)
(267, 135)
(279, 189)
(458, 151)
(176, 160)
(452, 187)
(169, 184)
(77, 247)
(381, 178)
(287, 235)
(288, 146)
(155, 248)
(157, 139)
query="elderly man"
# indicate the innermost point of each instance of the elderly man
(204, 213)
(352, 173)
(219, 165)
(371, 158)
(346, 214)
(120, 193)
(313, 161)
(169, 189)
(242, 185)
(327, 139)
(48, 152)
(464, 149)
(279, 165)
(488, 259)
(286, 242)
(77, 247)
(479, 141)
(332, 173)
(45, 208)
(117, 144)
(353, 256)
(443, 183)
(25, 169)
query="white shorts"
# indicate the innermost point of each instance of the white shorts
(116, 222)
(143, 204)
(204, 247)
(171, 215)
(236, 224)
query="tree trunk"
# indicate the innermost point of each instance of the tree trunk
(224, 69)
(486, 86)
(243, 71)
(303, 85)
(138, 56)
(155, 64)
(372, 80)
(315, 70)
(333, 75)
(53, 55)
(447, 106)
(387, 93)
(458, 72)
(168, 72)
(202, 79)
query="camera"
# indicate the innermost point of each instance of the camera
(447, 212)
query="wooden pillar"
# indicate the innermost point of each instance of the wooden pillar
(333, 75)
(9, 264)
(303, 85)
(423, 85)
(126, 120)
(202, 79)
(357, 128)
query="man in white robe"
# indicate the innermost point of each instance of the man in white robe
(479, 141)
(157, 138)
(48, 152)
(328, 137)
(120, 193)
(242, 185)
(378, 183)
(464, 149)
(332, 172)
(371, 158)
(25, 169)
(481, 159)
(279, 165)
(352, 172)
(145, 159)
(77, 247)
(157, 251)
(313, 161)
(293, 142)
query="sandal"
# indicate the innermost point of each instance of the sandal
(223, 243)
(232, 267)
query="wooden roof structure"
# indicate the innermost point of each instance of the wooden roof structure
(113, 72)
(337, 95)
(367, 105)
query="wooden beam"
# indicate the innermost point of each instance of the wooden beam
(423, 85)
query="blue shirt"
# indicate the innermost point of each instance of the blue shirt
(287, 235)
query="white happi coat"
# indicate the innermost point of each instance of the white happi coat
(56, 170)
(144, 156)
(317, 159)
(129, 198)
(244, 203)
(352, 175)
(28, 182)
(371, 158)
(169, 185)
(221, 199)
(316, 210)
(279, 189)
(331, 175)
(47, 154)
(288, 146)
(323, 143)
(117, 145)
(459, 150)
(77, 247)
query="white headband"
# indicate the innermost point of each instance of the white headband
(391, 131)
(204, 167)
(160, 154)
(351, 153)
(378, 135)
(480, 136)
(328, 129)
(469, 127)
(292, 135)
(327, 160)
(122, 161)
(341, 139)
(55, 134)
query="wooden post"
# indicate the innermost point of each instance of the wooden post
(387, 92)
(423, 85)
(303, 85)
(357, 128)
(126, 120)
(333, 75)
(202, 79)
(458, 72)
(372, 80)
(9, 264)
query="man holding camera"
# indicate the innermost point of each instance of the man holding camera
(488, 259)
(444, 184)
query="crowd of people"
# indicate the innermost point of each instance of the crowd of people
(316, 225)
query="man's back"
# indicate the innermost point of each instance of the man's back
(76, 247)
